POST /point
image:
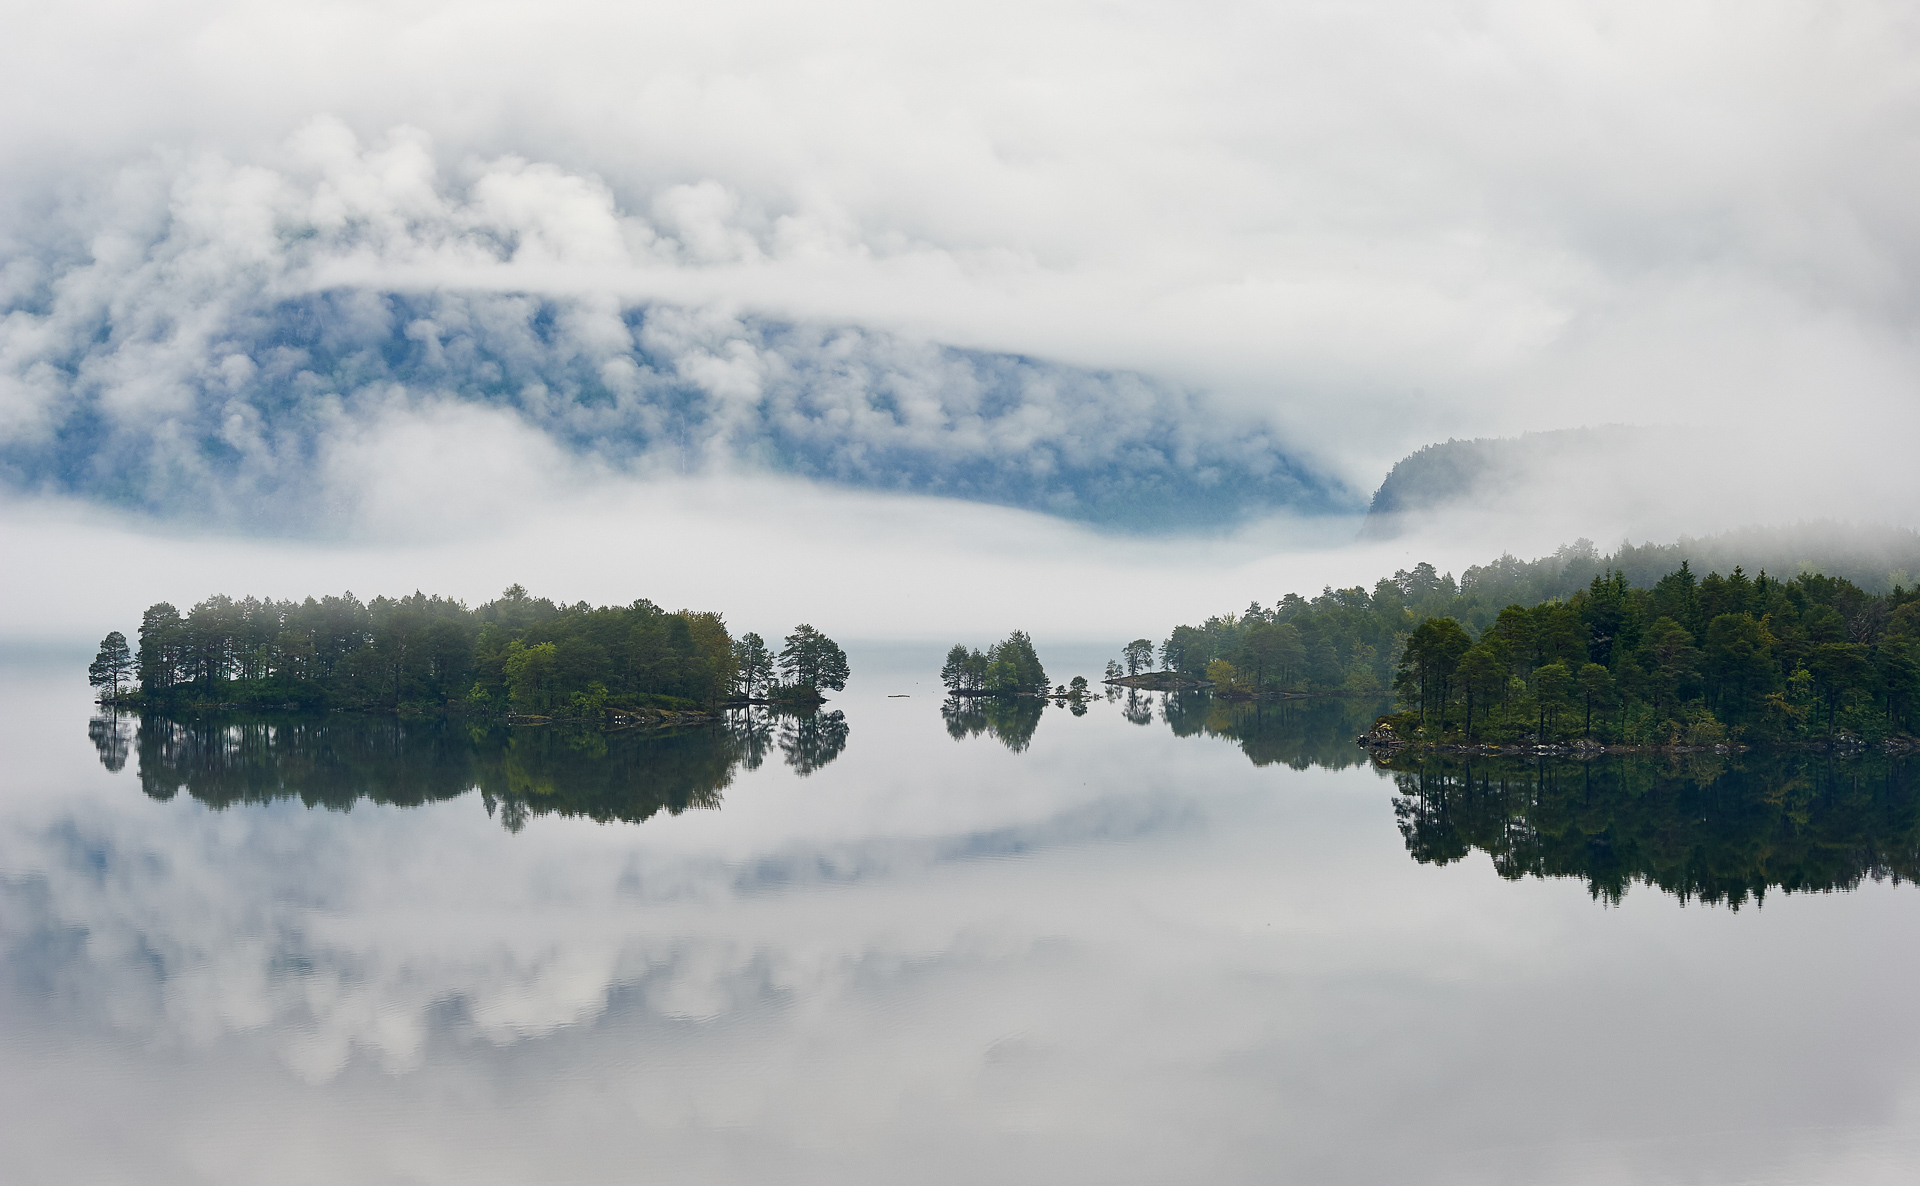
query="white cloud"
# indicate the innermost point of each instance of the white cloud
(211, 352)
(1432, 220)
(1012, 253)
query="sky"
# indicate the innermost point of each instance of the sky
(1086, 317)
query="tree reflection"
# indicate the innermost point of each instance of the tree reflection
(336, 761)
(329, 762)
(110, 737)
(810, 738)
(1010, 720)
(604, 776)
(1713, 828)
(752, 732)
(1300, 733)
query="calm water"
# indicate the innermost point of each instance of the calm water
(1163, 940)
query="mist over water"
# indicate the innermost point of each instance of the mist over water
(1066, 941)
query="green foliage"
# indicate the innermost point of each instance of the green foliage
(812, 661)
(1699, 662)
(113, 666)
(1007, 668)
(1518, 649)
(1551, 683)
(409, 654)
(964, 670)
(753, 665)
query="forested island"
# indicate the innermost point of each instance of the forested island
(517, 655)
(1008, 668)
(1681, 661)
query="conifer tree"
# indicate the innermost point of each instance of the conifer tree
(112, 666)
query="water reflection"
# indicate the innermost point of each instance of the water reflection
(1009, 720)
(1297, 733)
(1086, 953)
(112, 737)
(1716, 829)
(520, 772)
(811, 739)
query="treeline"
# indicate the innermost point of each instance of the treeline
(1687, 661)
(517, 653)
(1341, 642)
(1350, 641)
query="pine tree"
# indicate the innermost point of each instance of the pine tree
(812, 660)
(112, 666)
(753, 665)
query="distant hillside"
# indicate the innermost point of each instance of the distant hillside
(1515, 473)
(1875, 557)
(1484, 469)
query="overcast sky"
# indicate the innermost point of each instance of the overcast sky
(924, 298)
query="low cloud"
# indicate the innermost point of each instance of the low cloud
(240, 339)
(379, 277)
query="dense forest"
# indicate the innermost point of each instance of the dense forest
(1688, 661)
(518, 653)
(1500, 654)
(1345, 641)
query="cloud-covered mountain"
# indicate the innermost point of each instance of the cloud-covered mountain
(276, 266)
(1487, 471)
(222, 335)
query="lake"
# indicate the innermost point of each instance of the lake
(1146, 939)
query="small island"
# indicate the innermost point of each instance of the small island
(1010, 667)
(521, 658)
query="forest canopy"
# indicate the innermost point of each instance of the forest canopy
(1689, 661)
(1495, 656)
(517, 653)
(1007, 668)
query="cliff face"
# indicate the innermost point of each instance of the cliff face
(1484, 470)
